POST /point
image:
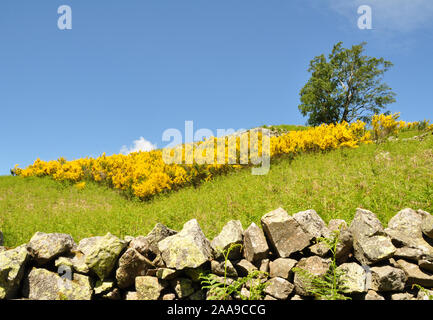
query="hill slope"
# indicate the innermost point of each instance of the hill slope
(383, 178)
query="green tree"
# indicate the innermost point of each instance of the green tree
(345, 87)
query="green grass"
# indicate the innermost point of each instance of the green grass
(333, 183)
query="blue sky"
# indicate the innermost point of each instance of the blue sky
(131, 69)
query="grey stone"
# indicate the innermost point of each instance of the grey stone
(319, 249)
(387, 278)
(255, 244)
(314, 266)
(402, 296)
(169, 296)
(44, 247)
(405, 229)
(131, 295)
(230, 235)
(187, 249)
(354, 278)
(42, 284)
(101, 253)
(244, 267)
(370, 243)
(220, 267)
(131, 265)
(102, 287)
(141, 244)
(366, 224)
(264, 265)
(427, 225)
(284, 233)
(408, 253)
(183, 287)
(166, 273)
(312, 224)
(12, 266)
(279, 288)
(150, 242)
(373, 295)
(282, 267)
(414, 274)
(149, 288)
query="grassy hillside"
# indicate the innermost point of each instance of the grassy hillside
(383, 178)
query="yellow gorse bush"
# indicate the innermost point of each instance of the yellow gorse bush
(144, 174)
(386, 125)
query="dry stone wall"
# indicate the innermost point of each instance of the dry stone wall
(378, 263)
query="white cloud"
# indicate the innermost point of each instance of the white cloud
(138, 145)
(390, 15)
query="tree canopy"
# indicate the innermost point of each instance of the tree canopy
(348, 86)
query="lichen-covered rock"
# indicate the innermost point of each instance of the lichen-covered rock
(405, 229)
(264, 265)
(166, 273)
(284, 233)
(42, 284)
(373, 249)
(101, 253)
(402, 296)
(182, 287)
(187, 249)
(131, 264)
(387, 278)
(408, 253)
(244, 267)
(102, 287)
(168, 296)
(314, 266)
(255, 245)
(312, 224)
(354, 278)
(149, 243)
(149, 288)
(319, 249)
(279, 288)
(44, 247)
(427, 225)
(231, 234)
(221, 267)
(282, 267)
(370, 243)
(373, 295)
(414, 274)
(12, 266)
(75, 260)
(131, 295)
